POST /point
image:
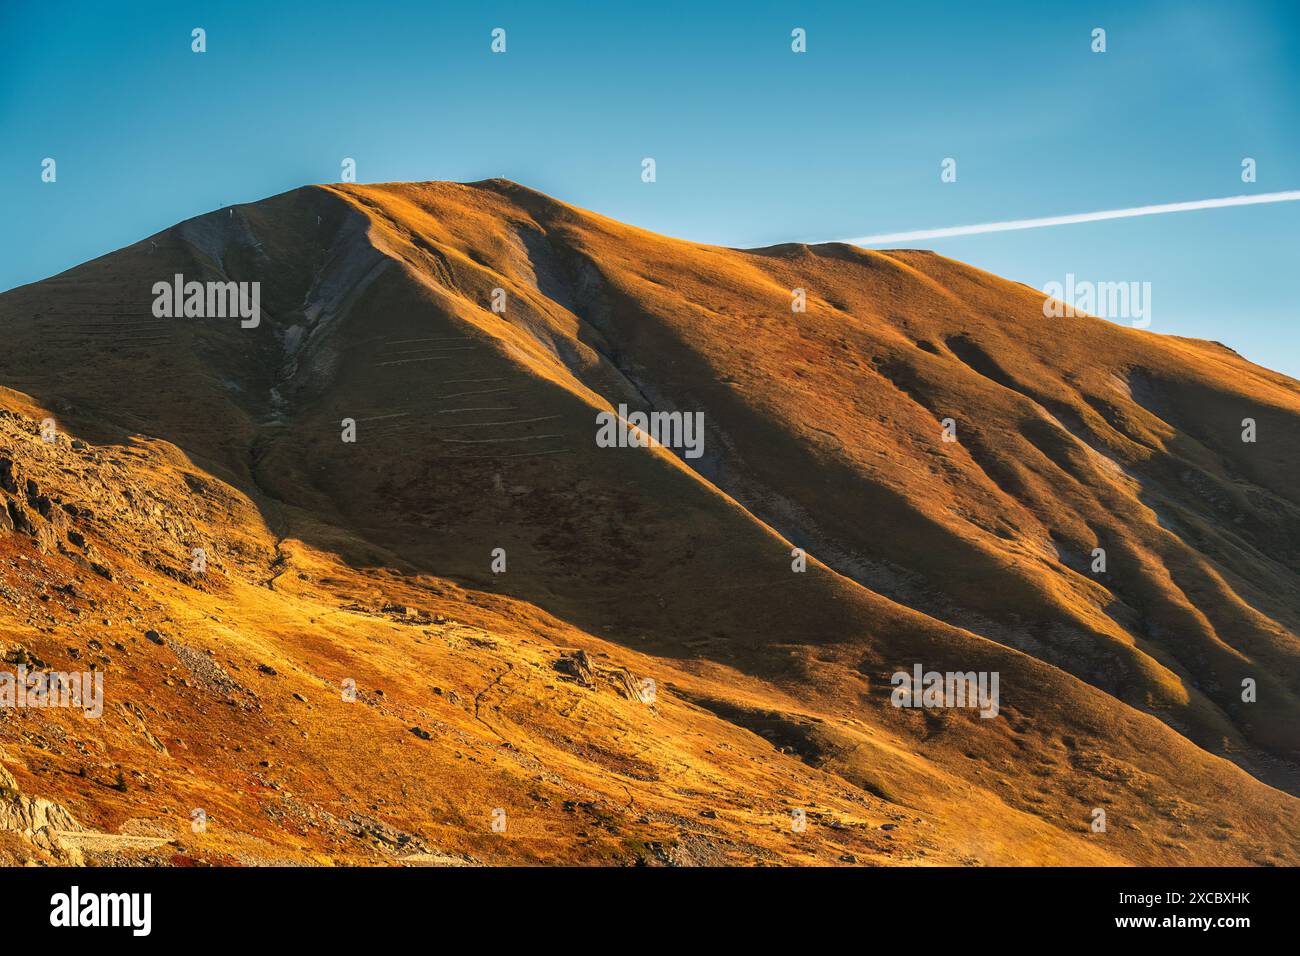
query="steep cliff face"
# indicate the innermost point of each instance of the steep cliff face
(977, 488)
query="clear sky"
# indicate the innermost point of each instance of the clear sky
(754, 144)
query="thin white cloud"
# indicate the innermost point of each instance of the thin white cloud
(1013, 224)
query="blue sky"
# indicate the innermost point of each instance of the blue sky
(754, 144)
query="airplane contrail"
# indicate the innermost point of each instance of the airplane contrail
(1013, 224)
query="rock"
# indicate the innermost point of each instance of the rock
(578, 665)
(19, 520)
(9, 475)
(421, 733)
(155, 637)
(709, 814)
(627, 685)
(267, 669)
(76, 539)
(22, 657)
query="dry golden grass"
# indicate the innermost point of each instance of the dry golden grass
(476, 431)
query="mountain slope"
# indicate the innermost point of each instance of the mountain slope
(475, 430)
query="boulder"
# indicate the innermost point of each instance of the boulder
(579, 666)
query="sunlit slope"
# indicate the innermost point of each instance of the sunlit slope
(475, 431)
(224, 694)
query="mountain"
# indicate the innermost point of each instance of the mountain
(655, 676)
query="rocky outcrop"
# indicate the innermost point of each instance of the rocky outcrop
(578, 666)
(8, 475)
(41, 822)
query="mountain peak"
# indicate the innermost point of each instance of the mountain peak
(406, 519)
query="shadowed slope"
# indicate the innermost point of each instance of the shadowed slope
(1061, 445)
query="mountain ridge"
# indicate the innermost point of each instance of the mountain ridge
(824, 432)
